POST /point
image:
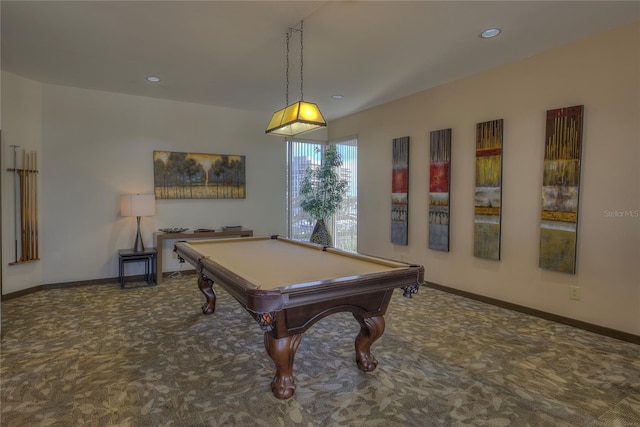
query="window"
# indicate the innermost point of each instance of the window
(345, 221)
(300, 155)
(344, 226)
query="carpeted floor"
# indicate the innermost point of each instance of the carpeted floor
(101, 356)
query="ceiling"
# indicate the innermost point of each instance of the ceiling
(232, 53)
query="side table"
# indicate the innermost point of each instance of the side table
(148, 256)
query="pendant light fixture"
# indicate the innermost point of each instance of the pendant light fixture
(300, 116)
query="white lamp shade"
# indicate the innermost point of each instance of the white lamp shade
(137, 205)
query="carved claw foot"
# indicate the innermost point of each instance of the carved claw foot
(366, 362)
(371, 329)
(282, 351)
(283, 387)
(207, 308)
(206, 287)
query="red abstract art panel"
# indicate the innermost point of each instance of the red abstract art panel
(439, 179)
(400, 192)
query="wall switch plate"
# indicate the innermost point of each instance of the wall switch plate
(574, 292)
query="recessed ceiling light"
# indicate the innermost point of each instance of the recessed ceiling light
(489, 33)
(153, 79)
(337, 96)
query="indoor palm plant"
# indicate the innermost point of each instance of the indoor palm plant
(322, 191)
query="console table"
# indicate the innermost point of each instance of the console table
(159, 237)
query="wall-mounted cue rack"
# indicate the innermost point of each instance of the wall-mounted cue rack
(25, 188)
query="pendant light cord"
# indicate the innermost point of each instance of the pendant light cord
(301, 62)
(289, 34)
(287, 74)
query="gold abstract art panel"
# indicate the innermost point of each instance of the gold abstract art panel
(560, 189)
(488, 191)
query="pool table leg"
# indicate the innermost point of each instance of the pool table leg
(282, 351)
(206, 286)
(371, 329)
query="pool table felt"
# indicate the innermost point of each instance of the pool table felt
(274, 263)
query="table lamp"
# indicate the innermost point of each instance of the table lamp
(138, 205)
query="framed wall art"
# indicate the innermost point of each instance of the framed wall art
(400, 192)
(560, 189)
(439, 180)
(198, 176)
(488, 191)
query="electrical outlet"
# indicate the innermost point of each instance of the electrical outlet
(402, 256)
(574, 292)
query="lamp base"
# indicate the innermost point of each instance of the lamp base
(138, 246)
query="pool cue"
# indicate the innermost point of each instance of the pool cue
(27, 201)
(27, 198)
(35, 203)
(23, 228)
(31, 214)
(28, 213)
(27, 224)
(15, 202)
(25, 206)
(30, 207)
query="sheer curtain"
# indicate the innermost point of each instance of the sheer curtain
(345, 221)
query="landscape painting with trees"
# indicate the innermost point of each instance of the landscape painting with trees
(198, 176)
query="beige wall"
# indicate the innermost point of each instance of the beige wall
(22, 125)
(96, 146)
(603, 74)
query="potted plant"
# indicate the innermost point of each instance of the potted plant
(322, 191)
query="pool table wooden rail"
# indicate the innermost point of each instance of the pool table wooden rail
(257, 300)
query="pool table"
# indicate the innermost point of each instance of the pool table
(288, 285)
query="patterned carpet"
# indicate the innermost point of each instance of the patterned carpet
(100, 356)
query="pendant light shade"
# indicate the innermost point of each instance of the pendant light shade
(301, 116)
(296, 119)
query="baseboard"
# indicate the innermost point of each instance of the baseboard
(601, 330)
(39, 288)
(107, 280)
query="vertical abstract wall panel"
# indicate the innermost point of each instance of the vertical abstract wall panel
(560, 189)
(400, 192)
(439, 179)
(488, 192)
